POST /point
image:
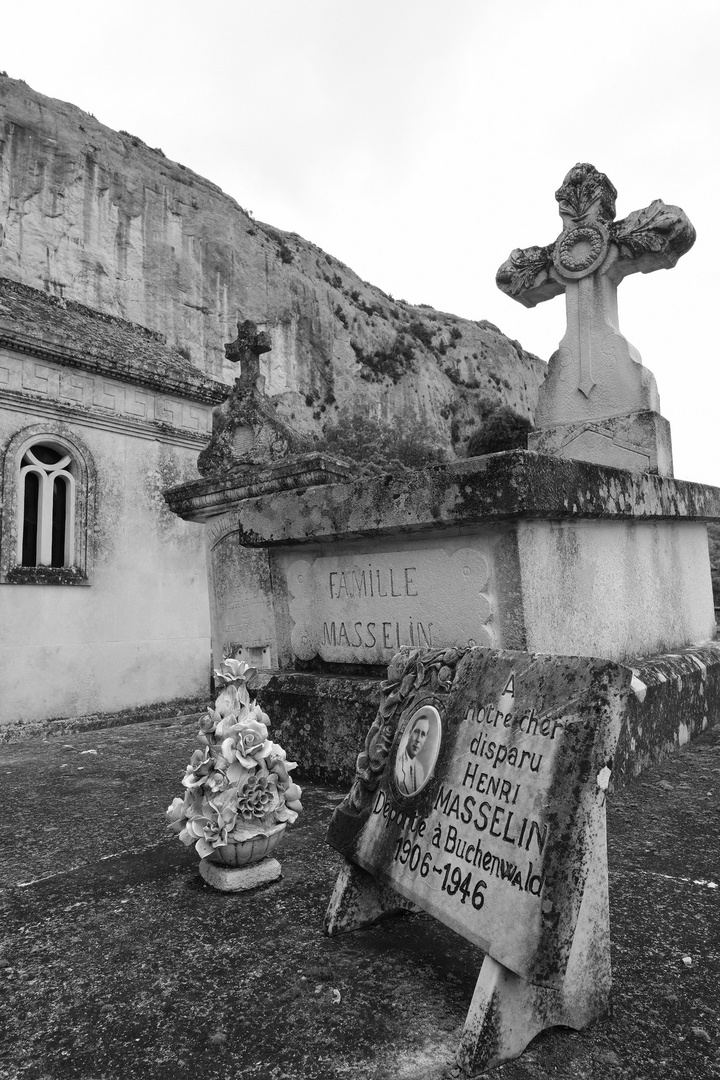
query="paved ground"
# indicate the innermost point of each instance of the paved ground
(116, 961)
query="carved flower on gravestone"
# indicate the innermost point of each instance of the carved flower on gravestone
(410, 670)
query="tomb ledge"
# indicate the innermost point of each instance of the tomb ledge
(508, 486)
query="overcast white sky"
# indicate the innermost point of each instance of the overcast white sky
(419, 141)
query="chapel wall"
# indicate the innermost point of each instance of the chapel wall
(138, 631)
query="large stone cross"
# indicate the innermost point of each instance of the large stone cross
(246, 350)
(598, 401)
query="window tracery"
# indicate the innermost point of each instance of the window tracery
(47, 506)
(46, 498)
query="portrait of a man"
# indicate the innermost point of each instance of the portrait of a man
(417, 751)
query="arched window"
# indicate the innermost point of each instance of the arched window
(46, 532)
(47, 508)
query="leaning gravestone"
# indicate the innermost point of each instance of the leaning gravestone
(501, 833)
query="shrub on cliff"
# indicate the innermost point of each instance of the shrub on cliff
(388, 363)
(381, 447)
(502, 429)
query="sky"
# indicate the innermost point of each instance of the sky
(420, 141)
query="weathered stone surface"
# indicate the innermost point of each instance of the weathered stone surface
(516, 484)
(221, 495)
(637, 441)
(247, 432)
(596, 375)
(358, 899)
(43, 325)
(675, 698)
(323, 720)
(498, 837)
(93, 215)
(239, 879)
(353, 606)
(534, 738)
(248, 435)
(555, 556)
(319, 720)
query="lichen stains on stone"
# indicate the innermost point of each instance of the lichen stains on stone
(78, 336)
(500, 487)
(683, 690)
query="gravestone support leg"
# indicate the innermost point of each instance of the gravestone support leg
(507, 1012)
(359, 899)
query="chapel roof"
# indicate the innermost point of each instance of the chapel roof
(74, 335)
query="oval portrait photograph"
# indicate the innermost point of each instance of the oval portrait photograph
(418, 750)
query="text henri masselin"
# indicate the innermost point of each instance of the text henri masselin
(479, 830)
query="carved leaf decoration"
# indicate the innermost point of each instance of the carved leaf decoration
(436, 668)
(577, 200)
(407, 685)
(585, 189)
(521, 270)
(388, 706)
(657, 228)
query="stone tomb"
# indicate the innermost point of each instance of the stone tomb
(514, 550)
(316, 577)
(480, 798)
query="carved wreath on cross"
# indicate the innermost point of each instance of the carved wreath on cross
(587, 206)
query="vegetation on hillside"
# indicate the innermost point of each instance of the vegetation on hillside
(502, 429)
(379, 446)
(385, 363)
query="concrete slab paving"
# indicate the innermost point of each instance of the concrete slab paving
(117, 960)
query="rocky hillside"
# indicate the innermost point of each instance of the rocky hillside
(96, 216)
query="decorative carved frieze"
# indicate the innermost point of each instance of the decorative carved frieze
(96, 400)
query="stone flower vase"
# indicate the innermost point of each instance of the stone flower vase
(248, 852)
(238, 789)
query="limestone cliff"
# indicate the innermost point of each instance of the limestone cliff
(96, 216)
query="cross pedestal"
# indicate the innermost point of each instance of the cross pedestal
(598, 402)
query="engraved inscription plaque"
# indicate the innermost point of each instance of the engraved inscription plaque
(352, 607)
(481, 798)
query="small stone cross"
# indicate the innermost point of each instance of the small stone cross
(246, 350)
(596, 375)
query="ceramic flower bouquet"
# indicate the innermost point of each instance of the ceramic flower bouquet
(239, 795)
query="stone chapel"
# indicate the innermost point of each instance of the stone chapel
(105, 606)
